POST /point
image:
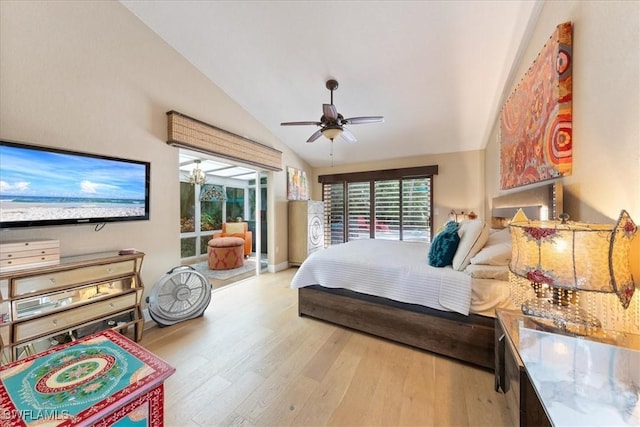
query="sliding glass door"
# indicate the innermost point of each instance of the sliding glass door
(228, 194)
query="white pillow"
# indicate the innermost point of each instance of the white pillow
(496, 254)
(488, 272)
(499, 236)
(473, 235)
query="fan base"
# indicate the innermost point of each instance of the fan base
(332, 84)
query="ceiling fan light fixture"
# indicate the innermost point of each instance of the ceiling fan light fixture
(331, 123)
(331, 133)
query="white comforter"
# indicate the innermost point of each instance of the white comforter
(387, 268)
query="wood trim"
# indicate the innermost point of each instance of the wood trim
(466, 338)
(414, 172)
(187, 132)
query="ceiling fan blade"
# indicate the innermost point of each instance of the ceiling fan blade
(361, 120)
(315, 135)
(347, 135)
(299, 123)
(330, 112)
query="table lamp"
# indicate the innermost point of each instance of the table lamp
(560, 259)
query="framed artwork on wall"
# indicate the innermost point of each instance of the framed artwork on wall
(535, 121)
(297, 185)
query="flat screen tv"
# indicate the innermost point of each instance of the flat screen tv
(41, 186)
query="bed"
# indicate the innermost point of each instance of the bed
(448, 310)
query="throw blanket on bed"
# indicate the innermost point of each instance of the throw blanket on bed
(387, 268)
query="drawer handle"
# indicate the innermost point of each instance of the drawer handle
(112, 305)
(52, 280)
(55, 322)
(109, 270)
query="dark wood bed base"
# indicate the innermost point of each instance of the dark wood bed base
(466, 338)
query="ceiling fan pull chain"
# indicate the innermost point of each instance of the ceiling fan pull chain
(331, 154)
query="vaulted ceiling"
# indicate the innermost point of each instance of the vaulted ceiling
(436, 70)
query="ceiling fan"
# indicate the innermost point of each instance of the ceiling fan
(332, 123)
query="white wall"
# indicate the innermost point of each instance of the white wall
(606, 109)
(90, 76)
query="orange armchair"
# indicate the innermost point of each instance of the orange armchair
(238, 229)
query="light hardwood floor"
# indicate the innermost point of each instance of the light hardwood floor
(250, 360)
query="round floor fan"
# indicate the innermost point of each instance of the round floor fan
(181, 294)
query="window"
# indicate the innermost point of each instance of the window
(397, 202)
(202, 216)
(387, 197)
(333, 213)
(358, 209)
(210, 215)
(235, 204)
(187, 208)
(416, 209)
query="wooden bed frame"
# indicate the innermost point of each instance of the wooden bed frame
(466, 338)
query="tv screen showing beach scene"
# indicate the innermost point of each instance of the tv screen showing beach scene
(42, 186)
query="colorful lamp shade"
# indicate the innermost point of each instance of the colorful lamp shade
(212, 193)
(574, 256)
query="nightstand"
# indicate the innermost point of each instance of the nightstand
(510, 375)
(550, 376)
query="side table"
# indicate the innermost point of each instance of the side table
(552, 376)
(103, 379)
(510, 374)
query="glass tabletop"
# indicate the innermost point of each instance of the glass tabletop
(579, 380)
(514, 321)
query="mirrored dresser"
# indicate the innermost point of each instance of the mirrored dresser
(45, 306)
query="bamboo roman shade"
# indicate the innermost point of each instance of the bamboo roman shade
(187, 132)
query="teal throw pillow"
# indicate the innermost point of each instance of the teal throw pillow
(444, 245)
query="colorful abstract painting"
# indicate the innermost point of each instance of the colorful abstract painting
(297, 185)
(535, 122)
